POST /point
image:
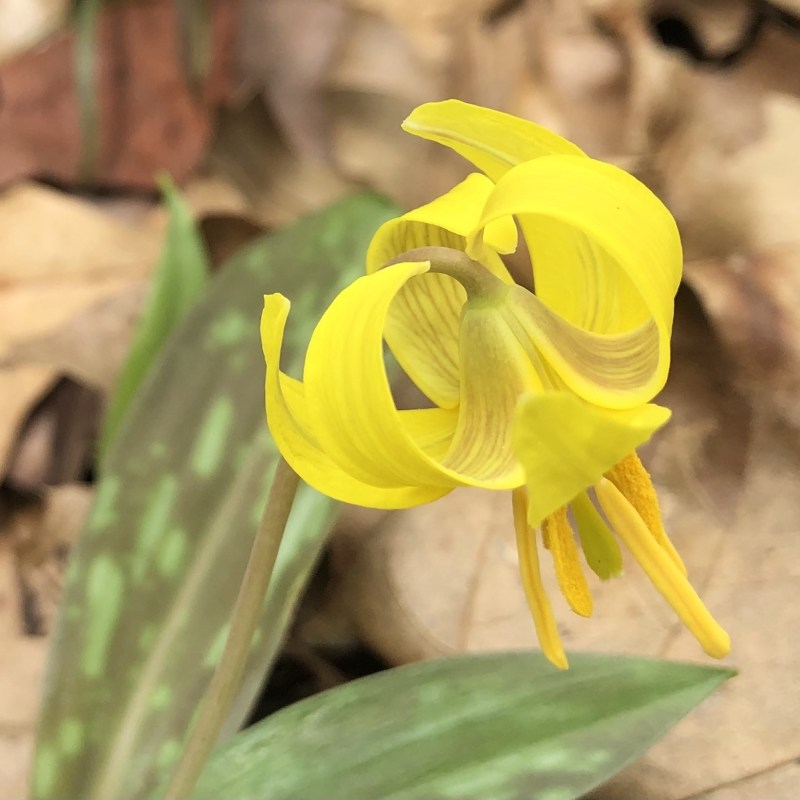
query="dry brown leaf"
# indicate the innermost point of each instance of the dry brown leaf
(721, 26)
(42, 531)
(91, 345)
(770, 174)
(23, 23)
(34, 541)
(225, 234)
(286, 48)
(277, 185)
(755, 305)
(56, 442)
(59, 258)
(593, 70)
(49, 234)
(148, 117)
(22, 661)
(779, 783)
(19, 389)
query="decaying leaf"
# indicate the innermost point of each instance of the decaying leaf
(91, 345)
(780, 782)
(23, 23)
(755, 304)
(56, 442)
(42, 530)
(277, 184)
(61, 258)
(287, 47)
(22, 659)
(147, 115)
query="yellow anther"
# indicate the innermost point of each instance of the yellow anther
(635, 483)
(569, 572)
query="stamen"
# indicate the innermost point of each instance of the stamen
(662, 570)
(546, 628)
(635, 483)
(571, 579)
(597, 540)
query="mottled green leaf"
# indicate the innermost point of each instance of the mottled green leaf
(180, 279)
(152, 582)
(487, 726)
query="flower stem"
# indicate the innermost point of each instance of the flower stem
(478, 282)
(227, 677)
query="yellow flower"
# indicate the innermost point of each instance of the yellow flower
(544, 394)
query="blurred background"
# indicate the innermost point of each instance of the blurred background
(265, 110)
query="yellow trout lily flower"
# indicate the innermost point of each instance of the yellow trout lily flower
(546, 394)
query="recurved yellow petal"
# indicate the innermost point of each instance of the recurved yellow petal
(290, 425)
(445, 221)
(495, 370)
(605, 250)
(615, 370)
(493, 141)
(423, 320)
(349, 399)
(566, 445)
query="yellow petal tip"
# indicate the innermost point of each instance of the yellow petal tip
(558, 659)
(717, 643)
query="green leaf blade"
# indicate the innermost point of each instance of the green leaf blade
(472, 727)
(153, 579)
(182, 274)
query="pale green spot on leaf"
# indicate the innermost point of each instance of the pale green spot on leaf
(71, 737)
(153, 525)
(158, 450)
(172, 553)
(215, 651)
(238, 361)
(556, 793)
(104, 591)
(209, 448)
(168, 754)
(72, 577)
(45, 776)
(147, 636)
(161, 698)
(232, 328)
(104, 511)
